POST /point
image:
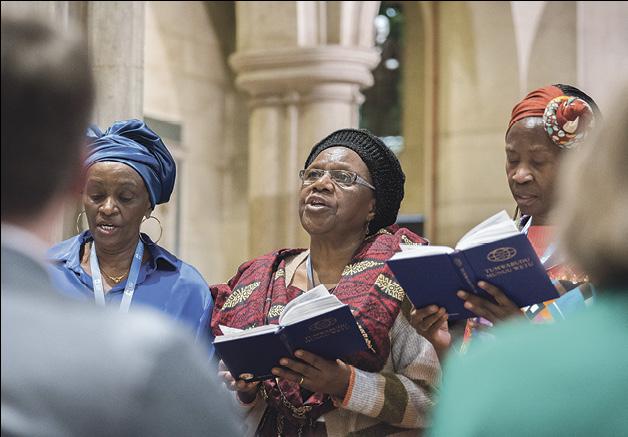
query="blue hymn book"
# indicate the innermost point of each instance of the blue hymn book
(494, 251)
(316, 322)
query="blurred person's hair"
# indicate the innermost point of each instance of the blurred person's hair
(593, 204)
(47, 97)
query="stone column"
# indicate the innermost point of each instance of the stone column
(602, 52)
(301, 89)
(115, 34)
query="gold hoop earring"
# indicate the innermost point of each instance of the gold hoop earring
(161, 229)
(78, 221)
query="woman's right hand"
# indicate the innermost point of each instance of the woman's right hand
(246, 391)
(431, 323)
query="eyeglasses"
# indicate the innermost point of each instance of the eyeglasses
(342, 178)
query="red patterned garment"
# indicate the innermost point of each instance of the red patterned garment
(257, 295)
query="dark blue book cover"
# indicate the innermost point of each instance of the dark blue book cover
(333, 334)
(510, 264)
(255, 355)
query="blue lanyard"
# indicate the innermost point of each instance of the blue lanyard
(310, 272)
(129, 289)
(549, 252)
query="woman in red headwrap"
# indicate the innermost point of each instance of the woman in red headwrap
(543, 127)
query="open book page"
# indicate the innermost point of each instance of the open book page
(231, 333)
(414, 251)
(311, 303)
(496, 227)
(226, 330)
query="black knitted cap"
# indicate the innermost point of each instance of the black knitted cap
(388, 178)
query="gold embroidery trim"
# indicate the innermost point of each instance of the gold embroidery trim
(390, 287)
(297, 412)
(239, 295)
(354, 269)
(275, 311)
(369, 344)
(406, 240)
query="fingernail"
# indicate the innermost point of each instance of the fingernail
(468, 305)
(481, 284)
(283, 362)
(433, 307)
(299, 353)
(276, 371)
(461, 294)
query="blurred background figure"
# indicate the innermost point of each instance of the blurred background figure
(129, 170)
(567, 378)
(70, 369)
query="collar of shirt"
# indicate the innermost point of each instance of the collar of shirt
(69, 251)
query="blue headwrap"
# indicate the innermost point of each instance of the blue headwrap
(133, 143)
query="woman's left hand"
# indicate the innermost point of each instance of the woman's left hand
(316, 374)
(504, 309)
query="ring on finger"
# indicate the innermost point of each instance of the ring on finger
(301, 380)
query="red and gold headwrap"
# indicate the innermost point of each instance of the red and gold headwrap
(566, 119)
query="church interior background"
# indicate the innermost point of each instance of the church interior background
(240, 92)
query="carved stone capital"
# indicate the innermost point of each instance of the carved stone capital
(303, 69)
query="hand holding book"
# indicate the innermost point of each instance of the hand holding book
(501, 309)
(316, 373)
(431, 323)
(316, 321)
(494, 252)
(246, 391)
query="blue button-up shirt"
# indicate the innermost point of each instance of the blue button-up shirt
(165, 283)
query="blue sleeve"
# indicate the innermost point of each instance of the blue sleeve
(204, 333)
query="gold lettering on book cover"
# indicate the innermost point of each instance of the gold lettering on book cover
(509, 267)
(326, 332)
(239, 295)
(390, 287)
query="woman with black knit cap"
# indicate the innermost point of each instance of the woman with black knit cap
(545, 126)
(352, 186)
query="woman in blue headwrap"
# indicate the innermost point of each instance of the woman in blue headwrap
(128, 171)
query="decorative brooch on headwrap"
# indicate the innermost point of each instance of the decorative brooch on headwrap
(567, 120)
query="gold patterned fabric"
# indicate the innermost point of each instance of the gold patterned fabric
(240, 295)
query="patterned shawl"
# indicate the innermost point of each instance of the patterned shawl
(257, 295)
